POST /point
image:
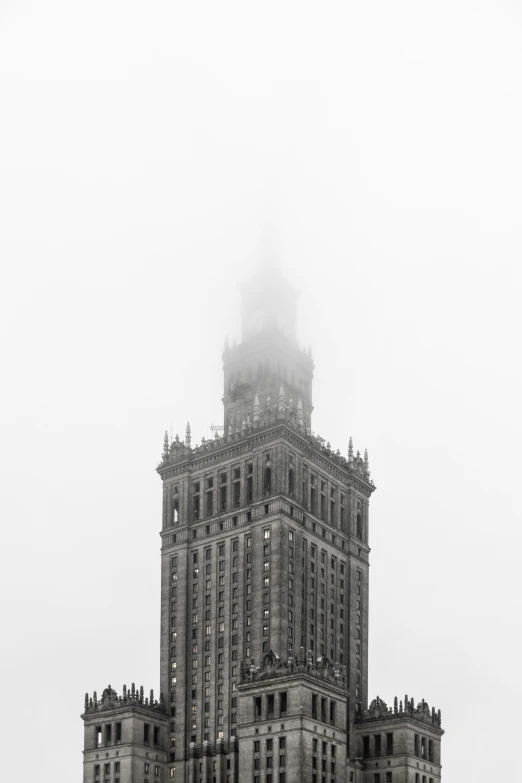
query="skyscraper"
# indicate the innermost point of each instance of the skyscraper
(264, 598)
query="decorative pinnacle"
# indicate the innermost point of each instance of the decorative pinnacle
(256, 409)
(187, 436)
(166, 444)
(281, 402)
(350, 449)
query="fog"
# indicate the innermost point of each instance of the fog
(146, 151)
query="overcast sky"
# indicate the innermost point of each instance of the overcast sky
(143, 148)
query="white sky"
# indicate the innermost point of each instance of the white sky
(143, 146)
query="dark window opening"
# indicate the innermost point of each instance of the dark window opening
(146, 733)
(332, 713)
(257, 707)
(323, 710)
(267, 484)
(118, 732)
(283, 704)
(156, 736)
(314, 706)
(366, 746)
(291, 482)
(389, 744)
(378, 745)
(270, 706)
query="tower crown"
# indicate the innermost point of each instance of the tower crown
(268, 304)
(268, 363)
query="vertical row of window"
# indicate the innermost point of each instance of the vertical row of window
(274, 760)
(424, 778)
(326, 615)
(386, 777)
(358, 632)
(291, 569)
(323, 761)
(173, 658)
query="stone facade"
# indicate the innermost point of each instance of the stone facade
(125, 738)
(264, 587)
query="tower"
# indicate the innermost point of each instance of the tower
(264, 596)
(264, 567)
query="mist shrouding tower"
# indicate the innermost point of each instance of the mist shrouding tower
(264, 597)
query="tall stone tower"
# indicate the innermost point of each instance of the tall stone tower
(264, 593)
(264, 566)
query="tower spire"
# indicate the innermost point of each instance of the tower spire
(187, 436)
(166, 444)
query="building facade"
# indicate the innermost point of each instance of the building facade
(264, 598)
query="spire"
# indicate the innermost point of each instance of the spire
(350, 450)
(366, 463)
(187, 436)
(166, 444)
(281, 402)
(256, 410)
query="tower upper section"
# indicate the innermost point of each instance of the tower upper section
(268, 363)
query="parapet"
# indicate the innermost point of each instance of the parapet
(379, 710)
(179, 451)
(272, 666)
(132, 697)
